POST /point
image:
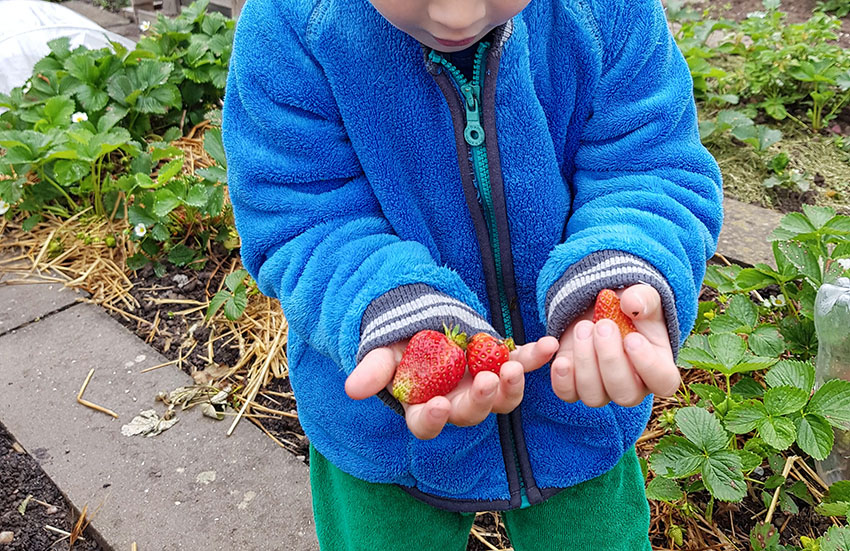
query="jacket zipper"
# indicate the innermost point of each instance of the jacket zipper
(474, 136)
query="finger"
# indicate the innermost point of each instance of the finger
(372, 374)
(657, 370)
(536, 354)
(427, 420)
(588, 380)
(642, 302)
(475, 403)
(511, 387)
(563, 378)
(619, 379)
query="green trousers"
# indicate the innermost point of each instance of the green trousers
(609, 512)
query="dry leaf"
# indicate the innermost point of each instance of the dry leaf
(147, 423)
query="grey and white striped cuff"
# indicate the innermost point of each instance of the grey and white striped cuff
(404, 311)
(575, 291)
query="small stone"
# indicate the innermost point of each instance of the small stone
(52, 510)
(7, 537)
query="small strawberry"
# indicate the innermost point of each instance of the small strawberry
(486, 353)
(608, 307)
(432, 365)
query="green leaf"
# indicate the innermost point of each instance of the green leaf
(721, 472)
(30, 222)
(217, 302)
(814, 435)
(708, 392)
(759, 136)
(837, 538)
(234, 279)
(750, 278)
(805, 259)
(170, 170)
(745, 417)
(766, 341)
(783, 400)
(725, 323)
(234, 307)
(664, 489)
(198, 196)
(818, 216)
(747, 388)
(214, 174)
(800, 336)
(137, 262)
(702, 428)
(753, 363)
(70, 172)
(722, 278)
(779, 432)
(676, 457)
(792, 225)
(774, 482)
(792, 373)
(164, 202)
(729, 349)
(214, 146)
(832, 401)
(838, 491)
(837, 509)
(180, 255)
(749, 460)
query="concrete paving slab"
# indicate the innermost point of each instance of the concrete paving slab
(746, 227)
(188, 488)
(102, 17)
(22, 303)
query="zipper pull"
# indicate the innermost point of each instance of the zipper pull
(474, 132)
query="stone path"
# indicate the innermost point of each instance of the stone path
(189, 488)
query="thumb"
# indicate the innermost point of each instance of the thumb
(372, 374)
(642, 302)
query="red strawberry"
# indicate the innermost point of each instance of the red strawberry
(432, 365)
(486, 353)
(608, 307)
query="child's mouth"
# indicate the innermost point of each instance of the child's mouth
(455, 43)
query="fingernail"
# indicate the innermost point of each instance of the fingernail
(436, 413)
(562, 370)
(633, 342)
(490, 392)
(513, 380)
(604, 329)
(584, 330)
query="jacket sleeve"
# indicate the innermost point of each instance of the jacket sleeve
(647, 196)
(313, 234)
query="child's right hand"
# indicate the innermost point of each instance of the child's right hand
(468, 404)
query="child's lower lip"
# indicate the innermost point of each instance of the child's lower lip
(452, 43)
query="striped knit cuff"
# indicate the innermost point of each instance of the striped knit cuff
(575, 292)
(404, 311)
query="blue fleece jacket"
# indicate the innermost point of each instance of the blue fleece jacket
(355, 200)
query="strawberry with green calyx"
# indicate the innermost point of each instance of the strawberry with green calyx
(608, 307)
(487, 353)
(432, 365)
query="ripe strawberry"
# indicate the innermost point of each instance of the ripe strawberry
(486, 353)
(432, 365)
(608, 307)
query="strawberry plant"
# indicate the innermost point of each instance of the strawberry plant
(763, 398)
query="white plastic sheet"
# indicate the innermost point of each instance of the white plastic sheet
(26, 26)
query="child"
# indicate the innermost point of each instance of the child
(395, 165)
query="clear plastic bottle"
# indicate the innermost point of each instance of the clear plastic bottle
(832, 323)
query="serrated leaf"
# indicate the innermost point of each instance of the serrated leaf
(832, 401)
(170, 170)
(805, 259)
(838, 491)
(729, 349)
(236, 304)
(234, 279)
(750, 278)
(164, 202)
(749, 460)
(676, 457)
(702, 428)
(837, 538)
(792, 373)
(708, 392)
(217, 302)
(814, 435)
(783, 400)
(779, 432)
(818, 216)
(747, 388)
(664, 489)
(725, 323)
(698, 358)
(766, 341)
(753, 363)
(745, 417)
(180, 255)
(721, 472)
(774, 482)
(742, 308)
(214, 146)
(837, 509)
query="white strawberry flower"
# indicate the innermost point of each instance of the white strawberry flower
(145, 26)
(778, 300)
(844, 263)
(26, 87)
(4, 207)
(79, 116)
(140, 230)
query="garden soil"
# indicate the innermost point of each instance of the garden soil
(21, 476)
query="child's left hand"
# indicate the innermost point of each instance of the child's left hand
(596, 365)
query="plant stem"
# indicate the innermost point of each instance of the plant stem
(728, 386)
(59, 188)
